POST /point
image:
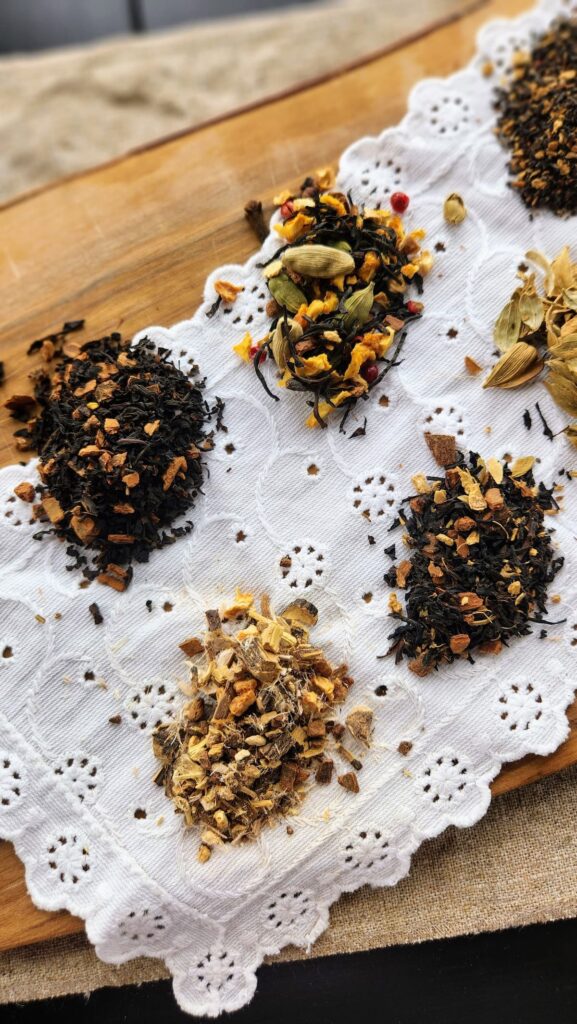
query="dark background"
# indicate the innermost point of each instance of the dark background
(522, 976)
(38, 24)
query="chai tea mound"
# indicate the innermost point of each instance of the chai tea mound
(120, 431)
(480, 564)
(259, 725)
(338, 288)
(538, 120)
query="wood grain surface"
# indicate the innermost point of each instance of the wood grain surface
(130, 244)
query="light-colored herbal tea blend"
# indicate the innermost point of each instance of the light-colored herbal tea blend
(260, 724)
(537, 331)
(479, 565)
(338, 289)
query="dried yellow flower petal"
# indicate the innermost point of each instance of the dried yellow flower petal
(227, 291)
(315, 364)
(472, 489)
(421, 484)
(243, 348)
(294, 228)
(495, 468)
(272, 269)
(324, 177)
(360, 355)
(332, 200)
(522, 466)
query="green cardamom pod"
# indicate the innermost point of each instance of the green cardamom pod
(454, 209)
(282, 334)
(286, 293)
(358, 307)
(318, 261)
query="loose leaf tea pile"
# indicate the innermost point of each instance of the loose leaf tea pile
(338, 289)
(481, 562)
(120, 431)
(537, 329)
(538, 120)
(258, 725)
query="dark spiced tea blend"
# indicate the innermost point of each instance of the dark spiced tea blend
(121, 432)
(537, 120)
(480, 561)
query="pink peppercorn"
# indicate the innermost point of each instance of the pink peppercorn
(370, 372)
(399, 201)
(413, 307)
(253, 351)
(287, 209)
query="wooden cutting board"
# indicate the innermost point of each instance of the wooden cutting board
(130, 244)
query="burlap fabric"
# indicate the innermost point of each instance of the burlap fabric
(65, 111)
(62, 112)
(517, 866)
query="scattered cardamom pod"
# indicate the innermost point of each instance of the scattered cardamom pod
(508, 324)
(358, 307)
(323, 261)
(516, 366)
(282, 334)
(565, 349)
(454, 209)
(563, 392)
(286, 293)
(531, 309)
(566, 367)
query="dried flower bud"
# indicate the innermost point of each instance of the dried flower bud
(454, 209)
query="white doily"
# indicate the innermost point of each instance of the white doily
(76, 791)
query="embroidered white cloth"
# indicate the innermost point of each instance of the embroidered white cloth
(76, 792)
